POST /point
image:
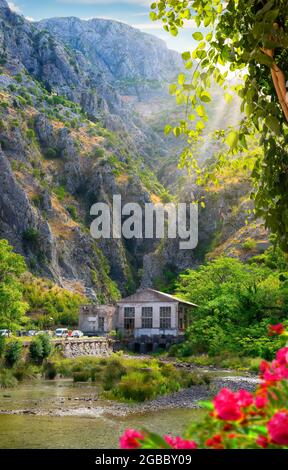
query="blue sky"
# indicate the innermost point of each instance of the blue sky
(133, 12)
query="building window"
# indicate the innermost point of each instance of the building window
(101, 322)
(165, 318)
(129, 318)
(147, 317)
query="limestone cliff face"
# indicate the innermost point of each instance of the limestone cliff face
(74, 98)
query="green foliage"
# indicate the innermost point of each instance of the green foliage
(73, 212)
(2, 345)
(54, 304)
(249, 244)
(249, 39)
(236, 303)
(31, 235)
(7, 379)
(40, 348)
(13, 353)
(126, 379)
(50, 371)
(12, 307)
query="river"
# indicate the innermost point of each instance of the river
(61, 414)
(75, 428)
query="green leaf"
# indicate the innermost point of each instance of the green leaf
(153, 16)
(172, 89)
(197, 36)
(181, 79)
(167, 129)
(273, 123)
(200, 110)
(205, 97)
(206, 404)
(186, 55)
(232, 139)
(200, 126)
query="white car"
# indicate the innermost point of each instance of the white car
(77, 334)
(5, 333)
(61, 332)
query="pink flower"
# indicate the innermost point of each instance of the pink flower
(262, 441)
(244, 398)
(282, 356)
(278, 428)
(276, 329)
(227, 405)
(215, 442)
(130, 439)
(179, 443)
(261, 401)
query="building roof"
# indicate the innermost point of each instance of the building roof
(152, 295)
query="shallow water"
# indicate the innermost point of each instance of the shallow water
(80, 432)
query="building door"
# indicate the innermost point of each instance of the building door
(129, 320)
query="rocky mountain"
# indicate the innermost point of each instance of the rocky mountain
(74, 131)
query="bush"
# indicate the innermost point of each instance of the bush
(40, 348)
(50, 371)
(7, 379)
(249, 244)
(13, 353)
(31, 235)
(136, 387)
(24, 371)
(83, 376)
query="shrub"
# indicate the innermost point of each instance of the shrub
(249, 244)
(7, 379)
(51, 153)
(50, 371)
(136, 387)
(23, 371)
(81, 376)
(40, 348)
(73, 212)
(31, 235)
(13, 353)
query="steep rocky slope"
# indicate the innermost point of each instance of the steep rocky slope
(74, 131)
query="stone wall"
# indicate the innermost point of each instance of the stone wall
(100, 347)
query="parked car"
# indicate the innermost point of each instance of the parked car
(77, 334)
(61, 332)
(32, 332)
(5, 333)
(40, 333)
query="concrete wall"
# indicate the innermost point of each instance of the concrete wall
(89, 319)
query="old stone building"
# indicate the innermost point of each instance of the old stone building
(147, 317)
(153, 313)
(97, 320)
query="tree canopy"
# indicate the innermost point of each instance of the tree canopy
(12, 306)
(237, 302)
(241, 47)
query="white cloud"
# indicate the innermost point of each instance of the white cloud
(29, 18)
(14, 7)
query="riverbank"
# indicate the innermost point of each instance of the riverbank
(85, 400)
